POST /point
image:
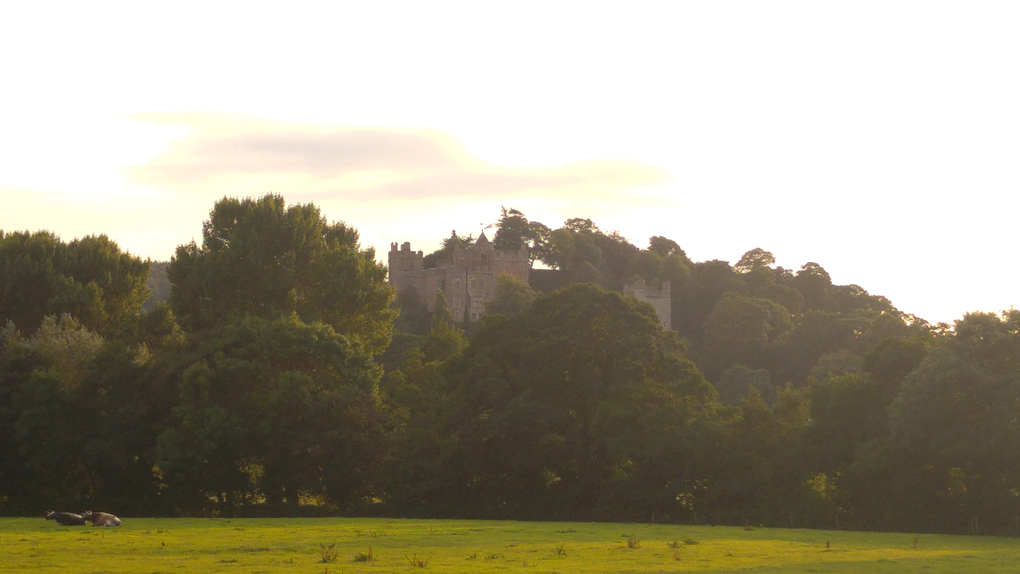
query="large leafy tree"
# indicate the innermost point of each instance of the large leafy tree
(261, 258)
(286, 313)
(89, 278)
(564, 403)
(512, 295)
(445, 254)
(741, 330)
(413, 475)
(958, 414)
(516, 232)
(40, 440)
(274, 409)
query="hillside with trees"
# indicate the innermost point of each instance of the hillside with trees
(282, 375)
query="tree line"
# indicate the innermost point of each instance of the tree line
(282, 376)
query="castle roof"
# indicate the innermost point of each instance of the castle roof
(482, 239)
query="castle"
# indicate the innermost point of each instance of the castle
(470, 281)
(467, 284)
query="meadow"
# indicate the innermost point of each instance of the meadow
(378, 546)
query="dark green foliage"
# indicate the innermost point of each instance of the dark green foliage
(755, 259)
(444, 255)
(260, 258)
(741, 330)
(516, 232)
(414, 317)
(563, 406)
(88, 278)
(958, 413)
(512, 296)
(271, 409)
(255, 388)
(737, 381)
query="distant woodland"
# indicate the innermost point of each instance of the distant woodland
(270, 370)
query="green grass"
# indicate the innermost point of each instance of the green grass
(271, 546)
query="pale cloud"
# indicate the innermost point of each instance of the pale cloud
(369, 164)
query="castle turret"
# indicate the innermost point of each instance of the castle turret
(657, 293)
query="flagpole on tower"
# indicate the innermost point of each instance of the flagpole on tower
(484, 227)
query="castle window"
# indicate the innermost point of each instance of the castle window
(485, 259)
(481, 284)
(442, 284)
(473, 283)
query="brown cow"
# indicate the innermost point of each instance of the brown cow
(101, 519)
(65, 518)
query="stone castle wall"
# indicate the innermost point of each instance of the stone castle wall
(656, 294)
(467, 284)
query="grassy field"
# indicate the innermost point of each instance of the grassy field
(343, 545)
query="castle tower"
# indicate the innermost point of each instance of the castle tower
(405, 268)
(657, 294)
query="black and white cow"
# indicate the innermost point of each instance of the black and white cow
(101, 519)
(66, 518)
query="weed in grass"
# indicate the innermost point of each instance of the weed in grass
(327, 554)
(416, 562)
(676, 555)
(493, 556)
(674, 544)
(363, 557)
(690, 541)
(633, 543)
(749, 528)
(915, 543)
(559, 551)
(567, 531)
(226, 561)
(473, 557)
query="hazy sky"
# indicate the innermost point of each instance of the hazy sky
(879, 139)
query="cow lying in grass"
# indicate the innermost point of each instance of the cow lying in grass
(66, 518)
(101, 519)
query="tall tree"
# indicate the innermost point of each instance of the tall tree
(512, 295)
(516, 232)
(275, 409)
(261, 258)
(557, 399)
(88, 278)
(960, 413)
(444, 255)
(40, 442)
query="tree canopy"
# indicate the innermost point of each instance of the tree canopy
(261, 258)
(88, 278)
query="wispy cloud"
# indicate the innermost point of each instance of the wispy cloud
(369, 164)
